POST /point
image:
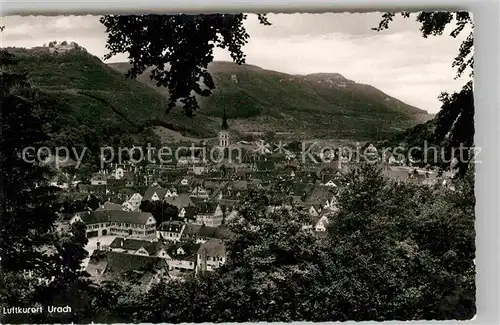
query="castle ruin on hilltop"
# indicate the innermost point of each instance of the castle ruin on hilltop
(62, 47)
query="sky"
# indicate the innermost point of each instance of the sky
(398, 61)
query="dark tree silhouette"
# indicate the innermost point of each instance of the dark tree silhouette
(37, 266)
(178, 48)
(27, 210)
(160, 210)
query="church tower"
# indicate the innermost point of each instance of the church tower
(224, 132)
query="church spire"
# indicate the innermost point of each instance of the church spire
(224, 126)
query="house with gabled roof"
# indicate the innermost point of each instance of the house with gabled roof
(202, 234)
(199, 191)
(133, 202)
(211, 255)
(330, 183)
(320, 196)
(171, 191)
(188, 213)
(217, 194)
(109, 206)
(209, 214)
(170, 230)
(150, 248)
(197, 200)
(262, 175)
(331, 205)
(182, 257)
(329, 180)
(231, 212)
(97, 224)
(115, 183)
(255, 184)
(228, 194)
(154, 194)
(314, 211)
(136, 270)
(320, 222)
(184, 181)
(118, 223)
(182, 200)
(307, 175)
(331, 167)
(159, 193)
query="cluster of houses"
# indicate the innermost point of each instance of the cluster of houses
(145, 262)
(194, 241)
(146, 251)
(206, 196)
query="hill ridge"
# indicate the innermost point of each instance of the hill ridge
(256, 99)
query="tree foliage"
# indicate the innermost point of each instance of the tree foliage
(160, 210)
(271, 263)
(27, 209)
(38, 267)
(406, 251)
(178, 48)
(393, 252)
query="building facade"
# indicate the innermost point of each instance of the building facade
(118, 223)
(211, 255)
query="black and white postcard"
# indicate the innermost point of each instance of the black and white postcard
(237, 168)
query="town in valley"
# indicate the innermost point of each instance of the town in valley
(224, 168)
(158, 221)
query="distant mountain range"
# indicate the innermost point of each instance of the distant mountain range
(320, 105)
(325, 105)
